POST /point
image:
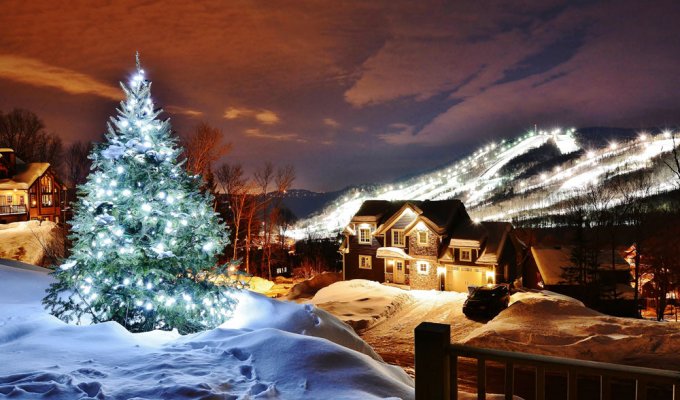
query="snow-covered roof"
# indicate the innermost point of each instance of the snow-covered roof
(6, 150)
(392, 252)
(551, 262)
(495, 242)
(24, 178)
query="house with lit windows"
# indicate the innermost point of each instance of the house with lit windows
(28, 190)
(427, 245)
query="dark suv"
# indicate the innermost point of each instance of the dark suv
(487, 301)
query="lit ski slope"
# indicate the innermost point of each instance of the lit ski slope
(477, 178)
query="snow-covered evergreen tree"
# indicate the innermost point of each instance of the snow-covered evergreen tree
(144, 236)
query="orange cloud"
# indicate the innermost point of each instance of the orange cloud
(37, 73)
(263, 116)
(281, 137)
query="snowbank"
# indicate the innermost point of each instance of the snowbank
(270, 349)
(361, 303)
(311, 286)
(27, 241)
(547, 323)
(260, 285)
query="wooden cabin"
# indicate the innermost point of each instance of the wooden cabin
(29, 191)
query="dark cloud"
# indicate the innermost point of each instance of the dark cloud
(348, 92)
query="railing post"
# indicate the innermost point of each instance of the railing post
(432, 361)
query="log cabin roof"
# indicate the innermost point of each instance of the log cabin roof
(25, 176)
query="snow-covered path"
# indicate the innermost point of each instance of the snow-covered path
(393, 338)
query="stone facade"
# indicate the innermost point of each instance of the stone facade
(424, 281)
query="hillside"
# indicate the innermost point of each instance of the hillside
(528, 177)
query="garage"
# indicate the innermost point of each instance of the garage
(458, 278)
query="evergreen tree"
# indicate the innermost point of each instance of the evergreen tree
(145, 239)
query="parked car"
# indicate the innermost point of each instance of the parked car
(487, 301)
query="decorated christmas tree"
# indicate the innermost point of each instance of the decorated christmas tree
(145, 239)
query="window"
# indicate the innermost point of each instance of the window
(33, 197)
(22, 200)
(365, 262)
(422, 238)
(46, 191)
(465, 255)
(9, 199)
(398, 237)
(423, 267)
(365, 235)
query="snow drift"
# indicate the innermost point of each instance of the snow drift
(361, 303)
(29, 241)
(552, 324)
(270, 349)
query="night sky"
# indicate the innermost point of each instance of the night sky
(347, 92)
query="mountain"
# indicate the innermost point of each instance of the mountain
(304, 203)
(530, 176)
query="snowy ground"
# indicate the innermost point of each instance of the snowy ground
(544, 323)
(27, 241)
(270, 349)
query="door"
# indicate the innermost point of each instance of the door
(458, 278)
(398, 271)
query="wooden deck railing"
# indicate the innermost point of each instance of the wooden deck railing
(12, 209)
(436, 365)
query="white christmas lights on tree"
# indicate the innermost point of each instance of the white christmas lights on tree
(130, 225)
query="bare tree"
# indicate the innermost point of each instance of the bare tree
(77, 163)
(202, 147)
(263, 179)
(24, 131)
(236, 187)
(662, 263)
(634, 190)
(282, 181)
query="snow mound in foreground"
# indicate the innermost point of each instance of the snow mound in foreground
(270, 350)
(552, 324)
(361, 303)
(27, 240)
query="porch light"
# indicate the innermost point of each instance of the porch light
(490, 277)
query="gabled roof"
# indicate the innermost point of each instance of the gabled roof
(441, 213)
(497, 234)
(469, 234)
(375, 210)
(25, 176)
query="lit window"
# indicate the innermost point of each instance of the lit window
(46, 191)
(365, 235)
(465, 255)
(9, 199)
(398, 237)
(365, 262)
(423, 267)
(422, 238)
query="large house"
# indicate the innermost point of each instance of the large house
(427, 245)
(28, 190)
